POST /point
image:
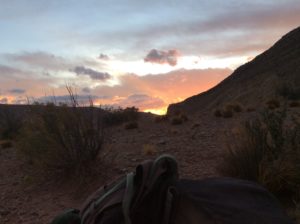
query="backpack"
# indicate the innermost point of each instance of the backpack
(144, 196)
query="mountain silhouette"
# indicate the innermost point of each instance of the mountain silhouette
(271, 75)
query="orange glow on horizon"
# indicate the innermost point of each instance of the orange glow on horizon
(158, 111)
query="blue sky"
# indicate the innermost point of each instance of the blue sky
(46, 44)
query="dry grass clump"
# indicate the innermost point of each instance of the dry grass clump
(250, 109)
(294, 104)
(267, 150)
(227, 113)
(179, 119)
(273, 104)
(228, 110)
(114, 117)
(149, 149)
(131, 125)
(4, 144)
(161, 118)
(11, 121)
(218, 113)
(64, 139)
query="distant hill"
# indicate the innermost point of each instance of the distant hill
(273, 74)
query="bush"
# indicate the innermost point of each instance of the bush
(227, 113)
(62, 138)
(176, 121)
(131, 125)
(273, 104)
(218, 113)
(118, 116)
(11, 120)
(267, 150)
(161, 118)
(289, 91)
(294, 104)
(4, 144)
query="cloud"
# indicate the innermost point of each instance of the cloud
(40, 59)
(86, 90)
(17, 91)
(103, 57)
(162, 89)
(93, 74)
(162, 57)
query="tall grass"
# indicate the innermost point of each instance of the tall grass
(65, 138)
(267, 150)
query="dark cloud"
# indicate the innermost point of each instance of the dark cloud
(17, 91)
(93, 74)
(103, 57)
(40, 59)
(162, 57)
(7, 71)
(3, 100)
(86, 90)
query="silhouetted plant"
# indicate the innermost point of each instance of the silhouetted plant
(11, 121)
(267, 150)
(289, 91)
(227, 113)
(131, 125)
(273, 104)
(218, 113)
(63, 138)
(118, 116)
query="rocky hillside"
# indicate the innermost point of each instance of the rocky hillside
(273, 74)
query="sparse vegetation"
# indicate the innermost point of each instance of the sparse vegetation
(10, 122)
(4, 144)
(227, 113)
(250, 109)
(119, 116)
(218, 113)
(162, 118)
(149, 149)
(267, 150)
(294, 104)
(131, 125)
(62, 138)
(289, 91)
(273, 104)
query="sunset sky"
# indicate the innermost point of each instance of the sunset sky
(139, 53)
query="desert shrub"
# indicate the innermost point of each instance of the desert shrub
(218, 113)
(4, 144)
(118, 116)
(62, 138)
(237, 108)
(11, 120)
(267, 150)
(176, 120)
(131, 125)
(149, 149)
(250, 109)
(226, 113)
(273, 104)
(294, 104)
(161, 118)
(289, 91)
